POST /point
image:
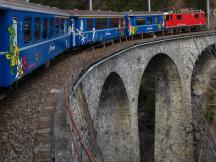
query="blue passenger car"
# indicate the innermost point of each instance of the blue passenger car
(144, 22)
(31, 35)
(97, 26)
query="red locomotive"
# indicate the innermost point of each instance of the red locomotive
(185, 19)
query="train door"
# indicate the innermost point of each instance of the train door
(15, 30)
(2, 46)
(129, 25)
(73, 32)
(80, 32)
(81, 24)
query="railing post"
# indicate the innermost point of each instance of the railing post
(93, 50)
(104, 46)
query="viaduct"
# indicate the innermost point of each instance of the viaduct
(150, 102)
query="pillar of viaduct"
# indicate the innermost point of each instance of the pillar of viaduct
(143, 102)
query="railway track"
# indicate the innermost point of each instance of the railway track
(21, 110)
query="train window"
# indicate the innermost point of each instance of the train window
(121, 23)
(27, 30)
(51, 27)
(156, 20)
(101, 23)
(179, 17)
(167, 17)
(140, 22)
(65, 26)
(89, 24)
(114, 23)
(196, 16)
(57, 26)
(97, 23)
(62, 25)
(37, 28)
(149, 20)
(45, 28)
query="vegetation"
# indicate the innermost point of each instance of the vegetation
(123, 5)
(64, 4)
(198, 4)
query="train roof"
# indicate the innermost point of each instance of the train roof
(143, 13)
(32, 7)
(87, 13)
(183, 11)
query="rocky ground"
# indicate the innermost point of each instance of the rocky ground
(22, 111)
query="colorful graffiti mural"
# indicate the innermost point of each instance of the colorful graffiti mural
(15, 63)
(81, 35)
(133, 30)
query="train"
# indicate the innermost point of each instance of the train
(32, 34)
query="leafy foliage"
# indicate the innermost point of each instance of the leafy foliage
(198, 4)
(64, 4)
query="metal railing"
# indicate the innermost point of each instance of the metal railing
(83, 140)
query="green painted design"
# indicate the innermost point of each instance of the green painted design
(101, 38)
(13, 55)
(122, 33)
(133, 30)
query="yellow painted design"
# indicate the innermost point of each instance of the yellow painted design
(13, 55)
(133, 30)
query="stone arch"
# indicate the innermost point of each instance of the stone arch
(203, 95)
(161, 114)
(113, 123)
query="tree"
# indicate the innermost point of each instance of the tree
(198, 4)
(122, 5)
(64, 4)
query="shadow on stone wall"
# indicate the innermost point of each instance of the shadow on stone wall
(113, 123)
(203, 106)
(160, 112)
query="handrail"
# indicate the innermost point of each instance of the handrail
(75, 129)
